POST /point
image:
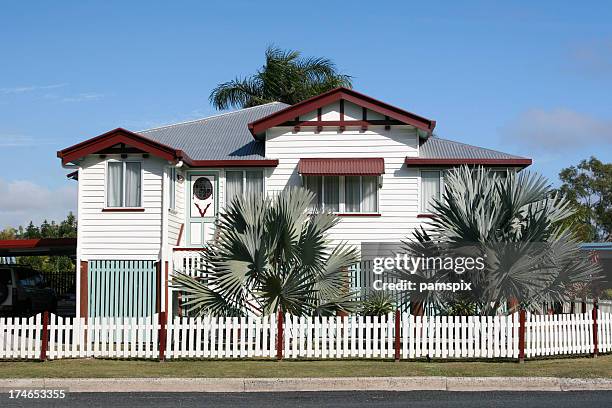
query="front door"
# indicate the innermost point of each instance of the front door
(203, 193)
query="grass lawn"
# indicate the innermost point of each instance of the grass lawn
(569, 367)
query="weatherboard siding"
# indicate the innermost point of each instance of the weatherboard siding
(398, 196)
(176, 217)
(119, 235)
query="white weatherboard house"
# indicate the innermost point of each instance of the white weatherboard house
(147, 200)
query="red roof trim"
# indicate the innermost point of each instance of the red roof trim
(417, 162)
(114, 137)
(165, 152)
(370, 166)
(291, 112)
(233, 163)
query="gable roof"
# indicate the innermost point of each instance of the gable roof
(220, 137)
(115, 137)
(438, 151)
(259, 126)
(220, 140)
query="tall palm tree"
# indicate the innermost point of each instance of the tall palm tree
(271, 254)
(515, 224)
(285, 77)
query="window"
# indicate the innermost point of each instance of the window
(430, 189)
(172, 189)
(239, 182)
(346, 194)
(123, 184)
(360, 194)
(502, 174)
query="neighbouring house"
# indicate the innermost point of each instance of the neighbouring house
(147, 200)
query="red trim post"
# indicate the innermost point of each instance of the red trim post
(521, 339)
(163, 319)
(397, 334)
(45, 337)
(279, 335)
(595, 339)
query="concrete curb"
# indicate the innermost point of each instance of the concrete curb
(309, 384)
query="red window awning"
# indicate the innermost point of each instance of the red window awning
(342, 167)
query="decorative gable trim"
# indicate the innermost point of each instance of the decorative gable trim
(115, 137)
(340, 94)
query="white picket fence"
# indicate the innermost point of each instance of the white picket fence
(104, 337)
(547, 335)
(420, 336)
(221, 337)
(20, 337)
(317, 337)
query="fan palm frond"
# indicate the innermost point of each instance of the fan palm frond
(273, 254)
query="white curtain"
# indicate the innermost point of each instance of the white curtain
(132, 184)
(254, 181)
(369, 202)
(313, 183)
(430, 189)
(114, 184)
(352, 193)
(331, 194)
(233, 185)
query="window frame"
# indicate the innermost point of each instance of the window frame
(172, 175)
(342, 194)
(440, 171)
(124, 184)
(244, 171)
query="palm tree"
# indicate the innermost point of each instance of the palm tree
(515, 224)
(286, 77)
(272, 254)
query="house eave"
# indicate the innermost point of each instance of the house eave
(429, 162)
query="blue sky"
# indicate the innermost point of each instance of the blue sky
(525, 78)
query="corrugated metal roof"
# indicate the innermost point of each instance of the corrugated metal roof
(221, 137)
(342, 166)
(437, 148)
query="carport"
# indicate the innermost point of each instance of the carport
(38, 247)
(60, 282)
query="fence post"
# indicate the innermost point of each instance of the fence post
(397, 334)
(279, 336)
(45, 337)
(521, 334)
(163, 319)
(595, 339)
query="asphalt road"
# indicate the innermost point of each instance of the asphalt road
(413, 399)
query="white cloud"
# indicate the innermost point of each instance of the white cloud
(557, 130)
(17, 140)
(22, 201)
(47, 92)
(82, 97)
(28, 88)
